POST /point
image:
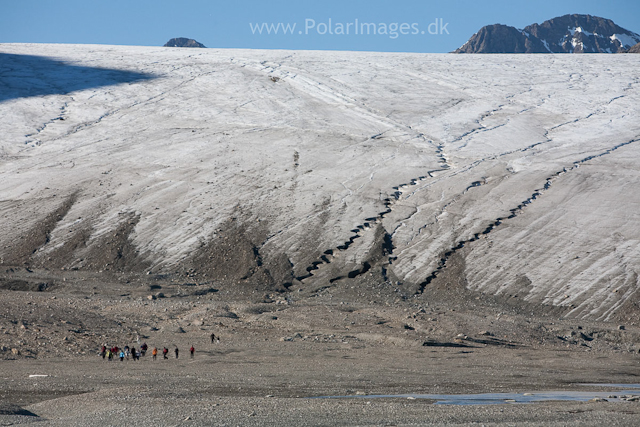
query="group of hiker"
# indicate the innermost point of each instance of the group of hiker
(131, 352)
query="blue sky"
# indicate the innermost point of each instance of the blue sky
(228, 24)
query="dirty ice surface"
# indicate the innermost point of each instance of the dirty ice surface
(524, 166)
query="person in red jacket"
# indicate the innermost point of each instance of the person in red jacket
(192, 350)
(164, 353)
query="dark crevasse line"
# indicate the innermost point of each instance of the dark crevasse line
(354, 273)
(439, 150)
(402, 188)
(514, 212)
(518, 150)
(367, 225)
(476, 163)
(475, 184)
(388, 203)
(358, 230)
(497, 156)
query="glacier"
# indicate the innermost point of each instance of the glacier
(519, 169)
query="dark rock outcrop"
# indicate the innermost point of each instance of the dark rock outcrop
(183, 42)
(634, 49)
(500, 38)
(565, 34)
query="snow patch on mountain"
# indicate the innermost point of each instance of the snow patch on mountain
(626, 40)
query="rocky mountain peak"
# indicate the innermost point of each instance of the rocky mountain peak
(564, 34)
(183, 42)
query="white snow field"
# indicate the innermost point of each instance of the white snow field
(529, 162)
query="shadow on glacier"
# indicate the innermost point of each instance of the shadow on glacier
(23, 76)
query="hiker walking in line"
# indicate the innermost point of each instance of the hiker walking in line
(143, 348)
(165, 350)
(154, 353)
(134, 354)
(121, 355)
(214, 338)
(109, 355)
(126, 352)
(103, 351)
(176, 350)
(192, 350)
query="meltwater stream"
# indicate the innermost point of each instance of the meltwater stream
(623, 392)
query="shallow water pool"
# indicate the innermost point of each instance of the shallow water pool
(621, 394)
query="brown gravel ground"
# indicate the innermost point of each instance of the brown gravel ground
(280, 350)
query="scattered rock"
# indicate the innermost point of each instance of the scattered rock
(173, 329)
(586, 337)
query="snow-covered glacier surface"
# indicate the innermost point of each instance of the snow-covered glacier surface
(523, 167)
